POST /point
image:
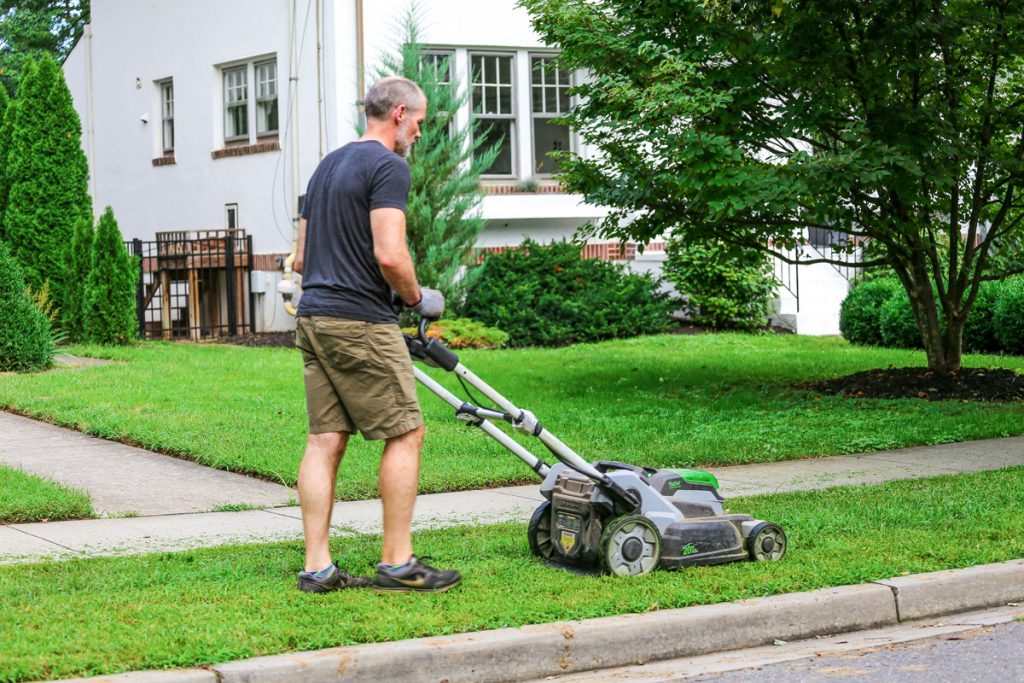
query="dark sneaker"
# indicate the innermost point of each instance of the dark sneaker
(330, 580)
(416, 577)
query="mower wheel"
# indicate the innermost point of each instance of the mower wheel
(767, 541)
(630, 546)
(539, 531)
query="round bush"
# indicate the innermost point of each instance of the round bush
(26, 340)
(898, 325)
(725, 288)
(979, 330)
(1008, 316)
(548, 295)
(861, 310)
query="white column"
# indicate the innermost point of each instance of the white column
(524, 127)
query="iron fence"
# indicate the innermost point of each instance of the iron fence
(194, 284)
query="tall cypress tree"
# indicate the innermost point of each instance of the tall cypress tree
(110, 289)
(6, 124)
(48, 176)
(79, 265)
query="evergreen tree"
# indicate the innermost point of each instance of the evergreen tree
(445, 166)
(48, 176)
(79, 264)
(29, 28)
(109, 299)
(7, 106)
(26, 341)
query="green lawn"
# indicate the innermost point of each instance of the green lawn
(86, 617)
(661, 401)
(27, 498)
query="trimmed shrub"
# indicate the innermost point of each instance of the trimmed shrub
(26, 341)
(725, 287)
(6, 125)
(1008, 316)
(79, 263)
(464, 333)
(110, 290)
(861, 310)
(550, 296)
(898, 324)
(47, 174)
(979, 330)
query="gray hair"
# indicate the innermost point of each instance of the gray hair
(390, 92)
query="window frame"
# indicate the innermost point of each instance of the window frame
(535, 115)
(166, 115)
(226, 71)
(513, 138)
(229, 210)
(259, 100)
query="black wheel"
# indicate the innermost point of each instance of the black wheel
(630, 546)
(767, 541)
(539, 531)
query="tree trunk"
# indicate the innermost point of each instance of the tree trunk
(943, 347)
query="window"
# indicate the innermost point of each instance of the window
(236, 104)
(266, 98)
(440, 63)
(493, 104)
(231, 216)
(550, 96)
(167, 115)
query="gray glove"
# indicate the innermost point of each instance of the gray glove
(431, 303)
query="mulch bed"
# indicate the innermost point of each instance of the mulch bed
(966, 384)
(279, 339)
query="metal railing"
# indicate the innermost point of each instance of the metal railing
(194, 284)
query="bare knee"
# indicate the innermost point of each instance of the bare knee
(329, 443)
(412, 438)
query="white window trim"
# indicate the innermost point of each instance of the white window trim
(221, 139)
(164, 118)
(514, 117)
(256, 99)
(228, 208)
(538, 115)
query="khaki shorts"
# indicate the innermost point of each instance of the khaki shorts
(358, 377)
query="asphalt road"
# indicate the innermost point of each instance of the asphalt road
(992, 653)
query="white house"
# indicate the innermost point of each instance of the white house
(202, 115)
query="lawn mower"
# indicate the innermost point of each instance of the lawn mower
(624, 519)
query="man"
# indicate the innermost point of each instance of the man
(353, 256)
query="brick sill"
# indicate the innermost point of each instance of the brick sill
(166, 160)
(244, 150)
(543, 187)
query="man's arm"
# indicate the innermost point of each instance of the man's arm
(392, 253)
(300, 247)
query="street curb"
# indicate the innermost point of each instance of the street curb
(539, 651)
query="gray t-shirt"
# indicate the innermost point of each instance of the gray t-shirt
(340, 275)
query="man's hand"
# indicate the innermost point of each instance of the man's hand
(431, 304)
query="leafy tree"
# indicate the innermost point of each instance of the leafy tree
(26, 341)
(6, 120)
(47, 174)
(79, 264)
(445, 165)
(32, 28)
(898, 122)
(110, 290)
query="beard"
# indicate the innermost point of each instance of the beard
(403, 145)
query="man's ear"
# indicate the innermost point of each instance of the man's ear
(400, 112)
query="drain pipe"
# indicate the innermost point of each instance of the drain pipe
(287, 287)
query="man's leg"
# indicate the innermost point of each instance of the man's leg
(318, 474)
(399, 481)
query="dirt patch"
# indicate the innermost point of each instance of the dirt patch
(966, 384)
(268, 339)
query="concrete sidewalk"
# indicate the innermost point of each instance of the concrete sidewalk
(173, 497)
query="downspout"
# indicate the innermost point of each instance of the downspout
(287, 287)
(360, 67)
(91, 131)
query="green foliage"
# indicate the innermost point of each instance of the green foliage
(79, 263)
(442, 224)
(465, 333)
(47, 173)
(725, 287)
(979, 330)
(1008, 316)
(110, 290)
(6, 121)
(897, 323)
(26, 342)
(861, 310)
(894, 122)
(551, 296)
(31, 28)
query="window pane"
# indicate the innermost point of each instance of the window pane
(505, 100)
(563, 100)
(548, 137)
(266, 117)
(493, 130)
(478, 98)
(505, 69)
(538, 99)
(238, 121)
